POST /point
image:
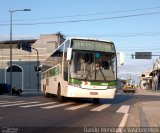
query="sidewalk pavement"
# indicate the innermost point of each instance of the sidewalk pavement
(144, 113)
(7, 96)
(25, 93)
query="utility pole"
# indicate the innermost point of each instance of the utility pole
(11, 12)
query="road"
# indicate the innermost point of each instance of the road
(35, 113)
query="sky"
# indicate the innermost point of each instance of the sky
(133, 25)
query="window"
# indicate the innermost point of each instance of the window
(14, 69)
(67, 43)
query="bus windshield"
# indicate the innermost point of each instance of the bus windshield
(92, 65)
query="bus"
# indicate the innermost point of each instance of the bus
(81, 68)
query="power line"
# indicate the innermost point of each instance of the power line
(117, 35)
(127, 51)
(90, 14)
(138, 49)
(85, 20)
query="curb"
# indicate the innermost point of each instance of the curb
(143, 119)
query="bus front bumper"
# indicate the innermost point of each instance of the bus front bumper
(77, 92)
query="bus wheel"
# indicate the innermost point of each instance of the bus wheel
(60, 98)
(96, 100)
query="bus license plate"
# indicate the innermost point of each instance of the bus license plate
(93, 93)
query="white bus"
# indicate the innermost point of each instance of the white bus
(81, 68)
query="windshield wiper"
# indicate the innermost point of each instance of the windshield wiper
(89, 72)
(102, 74)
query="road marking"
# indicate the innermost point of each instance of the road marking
(41, 104)
(10, 102)
(123, 109)
(79, 106)
(55, 106)
(100, 108)
(8, 105)
(123, 121)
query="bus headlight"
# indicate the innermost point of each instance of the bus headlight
(111, 87)
(76, 85)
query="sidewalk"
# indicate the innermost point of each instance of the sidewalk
(145, 114)
(152, 113)
(7, 96)
(25, 93)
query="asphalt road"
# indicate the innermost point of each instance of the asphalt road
(35, 113)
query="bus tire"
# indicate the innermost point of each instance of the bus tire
(60, 98)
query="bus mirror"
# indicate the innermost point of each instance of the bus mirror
(69, 54)
(121, 58)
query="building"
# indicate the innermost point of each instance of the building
(146, 80)
(151, 79)
(156, 75)
(24, 75)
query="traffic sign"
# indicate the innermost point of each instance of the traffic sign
(143, 55)
(25, 46)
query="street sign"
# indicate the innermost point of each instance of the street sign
(143, 55)
(25, 46)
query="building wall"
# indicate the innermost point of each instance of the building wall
(27, 79)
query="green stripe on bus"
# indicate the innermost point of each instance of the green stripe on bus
(75, 81)
(53, 72)
(110, 83)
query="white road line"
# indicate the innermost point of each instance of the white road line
(79, 106)
(11, 102)
(100, 108)
(123, 121)
(55, 106)
(123, 109)
(41, 104)
(8, 105)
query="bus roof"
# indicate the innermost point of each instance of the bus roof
(91, 39)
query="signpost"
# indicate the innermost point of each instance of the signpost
(25, 46)
(143, 55)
